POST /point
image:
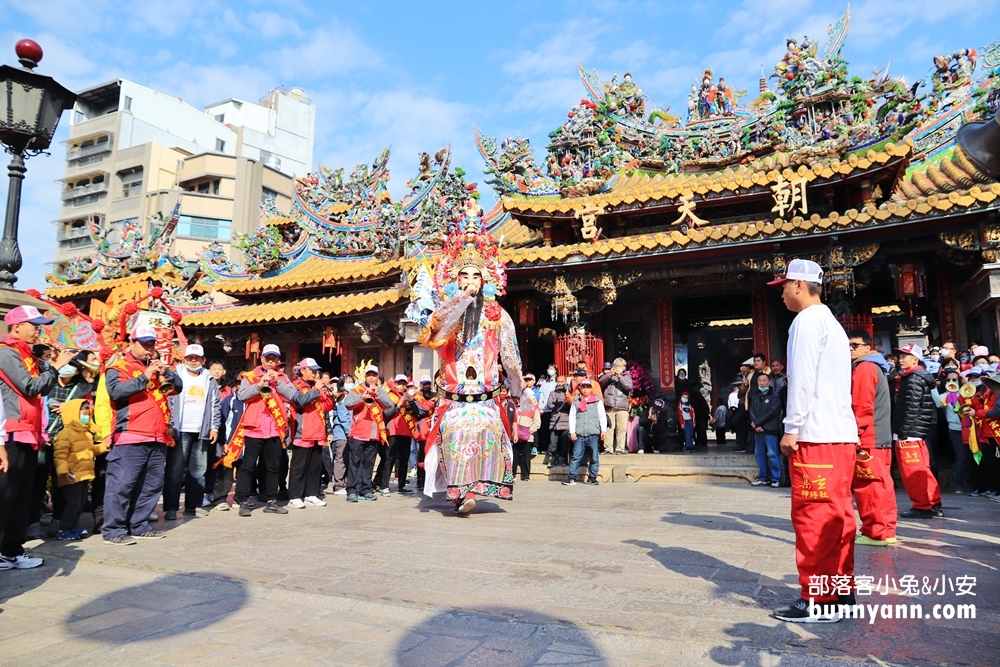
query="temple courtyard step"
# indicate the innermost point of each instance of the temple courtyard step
(701, 468)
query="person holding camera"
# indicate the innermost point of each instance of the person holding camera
(616, 385)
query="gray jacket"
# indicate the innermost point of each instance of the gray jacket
(558, 406)
(616, 390)
(13, 368)
(213, 408)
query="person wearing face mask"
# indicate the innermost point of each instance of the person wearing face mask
(196, 413)
(984, 413)
(545, 386)
(338, 424)
(558, 405)
(912, 417)
(74, 451)
(426, 401)
(686, 421)
(765, 422)
(948, 400)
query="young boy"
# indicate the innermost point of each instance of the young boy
(73, 453)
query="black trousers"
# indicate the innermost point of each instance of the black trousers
(720, 436)
(361, 461)
(385, 460)
(304, 472)
(399, 452)
(986, 475)
(224, 478)
(15, 496)
(522, 458)
(73, 495)
(40, 484)
(557, 446)
(98, 485)
(256, 449)
(421, 473)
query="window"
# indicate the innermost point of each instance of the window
(267, 194)
(203, 187)
(128, 103)
(212, 229)
(215, 187)
(220, 145)
(221, 118)
(131, 182)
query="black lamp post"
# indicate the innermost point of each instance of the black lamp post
(30, 107)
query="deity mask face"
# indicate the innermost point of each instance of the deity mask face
(470, 277)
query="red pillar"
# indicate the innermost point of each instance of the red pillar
(761, 338)
(666, 336)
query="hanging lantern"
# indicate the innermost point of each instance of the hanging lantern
(253, 347)
(527, 312)
(331, 344)
(910, 281)
(564, 304)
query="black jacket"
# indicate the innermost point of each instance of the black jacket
(558, 405)
(913, 410)
(765, 410)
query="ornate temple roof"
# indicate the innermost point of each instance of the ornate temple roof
(316, 271)
(298, 309)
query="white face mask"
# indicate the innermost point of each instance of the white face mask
(684, 400)
(348, 386)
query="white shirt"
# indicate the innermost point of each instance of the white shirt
(819, 379)
(734, 400)
(545, 388)
(193, 400)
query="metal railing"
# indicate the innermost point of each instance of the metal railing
(72, 233)
(101, 147)
(83, 190)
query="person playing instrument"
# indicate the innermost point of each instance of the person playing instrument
(371, 407)
(402, 429)
(139, 386)
(469, 448)
(310, 405)
(262, 432)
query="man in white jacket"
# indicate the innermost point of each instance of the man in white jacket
(819, 441)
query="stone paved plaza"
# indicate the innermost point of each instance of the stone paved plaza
(620, 574)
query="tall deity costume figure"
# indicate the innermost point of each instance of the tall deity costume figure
(468, 451)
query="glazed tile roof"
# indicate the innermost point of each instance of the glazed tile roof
(760, 173)
(100, 286)
(949, 173)
(652, 244)
(316, 271)
(283, 311)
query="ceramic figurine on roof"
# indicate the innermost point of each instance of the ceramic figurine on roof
(511, 168)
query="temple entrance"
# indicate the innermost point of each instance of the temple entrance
(315, 350)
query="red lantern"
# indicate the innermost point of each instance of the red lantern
(910, 281)
(527, 312)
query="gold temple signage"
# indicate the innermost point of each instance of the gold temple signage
(686, 211)
(588, 219)
(789, 196)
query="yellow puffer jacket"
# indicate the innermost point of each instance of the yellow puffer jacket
(75, 448)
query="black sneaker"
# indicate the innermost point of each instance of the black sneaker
(592, 482)
(274, 508)
(370, 497)
(405, 491)
(120, 540)
(798, 612)
(245, 509)
(352, 497)
(914, 513)
(938, 512)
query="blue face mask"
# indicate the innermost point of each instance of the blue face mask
(764, 390)
(67, 371)
(84, 419)
(194, 369)
(348, 386)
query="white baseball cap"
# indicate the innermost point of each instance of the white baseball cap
(371, 368)
(800, 269)
(911, 348)
(426, 379)
(194, 350)
(143, 333)
(271, 348)
(401, 378)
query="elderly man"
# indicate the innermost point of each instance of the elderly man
(196, 413)
(22, 385)
(587, 428)
(616, 384)
(820, 442)
(139, 386)
(371, 407)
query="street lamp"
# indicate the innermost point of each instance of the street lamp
(30, 107)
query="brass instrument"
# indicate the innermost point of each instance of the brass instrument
(266, 390)
(166, 386)
(341, 395)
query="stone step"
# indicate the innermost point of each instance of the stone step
(686, 468)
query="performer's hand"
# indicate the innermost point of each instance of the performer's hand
(789, 444)
(213, 436)
(63, 358)
(152, 369)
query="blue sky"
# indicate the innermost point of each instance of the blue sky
(418, 75)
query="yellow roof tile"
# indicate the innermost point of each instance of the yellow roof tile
(340, 304)
(315, 271)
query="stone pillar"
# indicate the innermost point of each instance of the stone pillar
(425, 362)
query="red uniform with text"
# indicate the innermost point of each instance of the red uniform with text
(872, 484)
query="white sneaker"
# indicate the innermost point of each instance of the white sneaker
(297, 504)
(315, 502)
(22, 562)
(342, 492)
(207, 501)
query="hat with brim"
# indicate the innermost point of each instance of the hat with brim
(371, 369)
(992, 382)
(800, 269)
(27, 314)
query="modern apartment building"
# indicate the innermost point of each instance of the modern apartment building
(132, 149)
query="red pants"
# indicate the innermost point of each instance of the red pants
(822, 513)
(875, 494)
(915, 469)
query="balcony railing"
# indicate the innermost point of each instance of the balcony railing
(72, 233)
(69, 244)
(101, 147)
(84, 190)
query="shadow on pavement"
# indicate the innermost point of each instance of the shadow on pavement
(510, 637)
(167, 606)
(447, 508)
(733, 521)
(17, 582)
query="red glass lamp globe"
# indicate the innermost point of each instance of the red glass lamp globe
(28, 49)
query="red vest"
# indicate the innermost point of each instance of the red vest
(254, 407)
(140, 413)
(30, 408)
(313, 425)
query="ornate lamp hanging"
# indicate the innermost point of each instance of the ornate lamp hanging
(564, 304)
